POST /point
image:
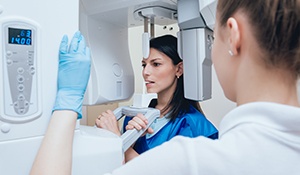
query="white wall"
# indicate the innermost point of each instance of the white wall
(214, 108)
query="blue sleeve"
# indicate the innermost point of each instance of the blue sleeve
(193, 128)
(186, 130)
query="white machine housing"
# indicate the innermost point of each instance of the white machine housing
(112, 76)
(105, 27)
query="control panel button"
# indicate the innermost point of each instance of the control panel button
(21, 97)
(9, 62)
(20, 70)
(32, 70)
(16, 104)
(20, 79)
(21, 87)
(9, 53)
(21, 111)
(26, 104)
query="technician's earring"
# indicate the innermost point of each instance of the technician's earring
(178, 76)
(230, 52)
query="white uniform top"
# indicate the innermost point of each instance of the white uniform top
(256, 138)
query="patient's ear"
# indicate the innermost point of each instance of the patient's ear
(179, 68)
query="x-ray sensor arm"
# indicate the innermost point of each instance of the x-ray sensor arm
(196, 19)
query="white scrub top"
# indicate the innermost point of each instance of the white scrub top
(258, 138)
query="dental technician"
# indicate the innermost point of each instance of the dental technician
(256, 55)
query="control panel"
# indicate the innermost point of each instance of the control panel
(20, 77)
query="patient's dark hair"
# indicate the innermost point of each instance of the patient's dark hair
(178, 105)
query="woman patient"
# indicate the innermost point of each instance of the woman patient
(163, 74)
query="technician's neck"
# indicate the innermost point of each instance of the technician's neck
(276, 86)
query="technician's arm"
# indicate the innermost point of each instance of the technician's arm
(55, 154)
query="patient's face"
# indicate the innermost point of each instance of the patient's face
(159, 73)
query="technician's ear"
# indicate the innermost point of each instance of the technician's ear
(234, 35)
(179, 71)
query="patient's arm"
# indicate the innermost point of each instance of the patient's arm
(130, 154)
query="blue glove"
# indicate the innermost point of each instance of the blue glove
(73, 74)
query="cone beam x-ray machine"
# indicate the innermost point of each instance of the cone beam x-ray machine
(30, 35)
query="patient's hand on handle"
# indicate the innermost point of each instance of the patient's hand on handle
(139, 122)
(107, 120)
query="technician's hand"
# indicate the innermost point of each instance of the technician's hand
(73, 74)
(107, 120)
(139, 122)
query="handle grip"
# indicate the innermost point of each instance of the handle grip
(130, 136)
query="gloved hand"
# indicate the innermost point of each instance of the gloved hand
(73, 74)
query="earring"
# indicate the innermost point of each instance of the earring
(230, 53)
(178, 76)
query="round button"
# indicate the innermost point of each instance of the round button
(8, 53)
(21, 87)
(20, 70)
(9, 62)
(21, 111)
(20, 79)
(5, 128)
(16, 104)
(32, 70)
(21, 97)
(117, 70)
(26, 104)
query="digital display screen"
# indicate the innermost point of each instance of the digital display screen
(19, 36)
